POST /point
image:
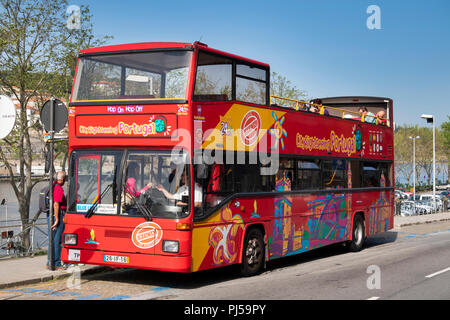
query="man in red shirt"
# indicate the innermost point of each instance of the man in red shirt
(59, 209)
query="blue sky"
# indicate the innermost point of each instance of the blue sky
(324, 46)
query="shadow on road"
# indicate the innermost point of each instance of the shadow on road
(216, 276)
(167, 279)
(381, 238)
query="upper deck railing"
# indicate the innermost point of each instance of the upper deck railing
(301, 105)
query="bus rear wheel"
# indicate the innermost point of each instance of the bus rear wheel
(253, 253)
(358, 234)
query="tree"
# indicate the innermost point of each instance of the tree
(424, 152)
(282, 87)
(403, 152)
(445, 142)
(37, 60)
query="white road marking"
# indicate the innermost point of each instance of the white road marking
(437, 273)
(374, 298)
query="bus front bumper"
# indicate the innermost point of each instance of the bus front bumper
(170, 263)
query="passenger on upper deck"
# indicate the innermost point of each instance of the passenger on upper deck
(318, 106)
(369, 117)
(380, 117)
(313, 109)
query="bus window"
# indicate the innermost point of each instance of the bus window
(385, 177)
(356, 174)
(94, 180)
(308, 175)
(334, 174)
(251, 84)
(376, 174)
(98, 80)
(145, 75)
(213, 79)
(88, 178)
(140, 83)
(370, 174)
(155, 184)
(285, 175)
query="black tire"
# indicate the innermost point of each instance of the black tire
(253, 253)
(358, 234)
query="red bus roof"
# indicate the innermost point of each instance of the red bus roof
(205, 47)
(136, 46)
(164, 45)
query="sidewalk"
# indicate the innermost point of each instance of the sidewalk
(400, 221)
(24, 271)
(29, 270)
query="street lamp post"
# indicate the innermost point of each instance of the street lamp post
(430, 119)
(414, 166)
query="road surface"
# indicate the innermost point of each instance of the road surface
(408, 263)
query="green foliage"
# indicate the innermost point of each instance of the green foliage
(37, 60)
(445, 142)
(403, 147)
(282, 87)
(445, 136)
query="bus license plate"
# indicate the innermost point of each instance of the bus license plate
(74, 255)
(116, 259)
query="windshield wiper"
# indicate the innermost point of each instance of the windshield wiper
(91, 210)
(147, 214)
(145, 211)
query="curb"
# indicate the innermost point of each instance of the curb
(26, 282)
(57, 276)
(411, 223)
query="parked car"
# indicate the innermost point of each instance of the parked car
(427, 199)
(444, 193)
(409, 194)
(400, 194)
(407, 208)
(411, 208)
(423, 207)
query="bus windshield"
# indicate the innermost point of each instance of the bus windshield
(148, 75)
(145, 183)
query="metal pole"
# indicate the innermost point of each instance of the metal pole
(414, 170)
(50, 233)
(434, 167)
(32, 238)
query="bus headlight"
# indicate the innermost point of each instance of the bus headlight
(171, 246)
(70, 239)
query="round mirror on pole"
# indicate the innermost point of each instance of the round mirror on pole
(7, 116)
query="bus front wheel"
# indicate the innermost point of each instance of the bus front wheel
(253, 253)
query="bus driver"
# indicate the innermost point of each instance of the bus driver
(183, 190)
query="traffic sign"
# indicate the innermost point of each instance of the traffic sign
(60, 115)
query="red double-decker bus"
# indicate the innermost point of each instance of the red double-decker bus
(180, 160)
